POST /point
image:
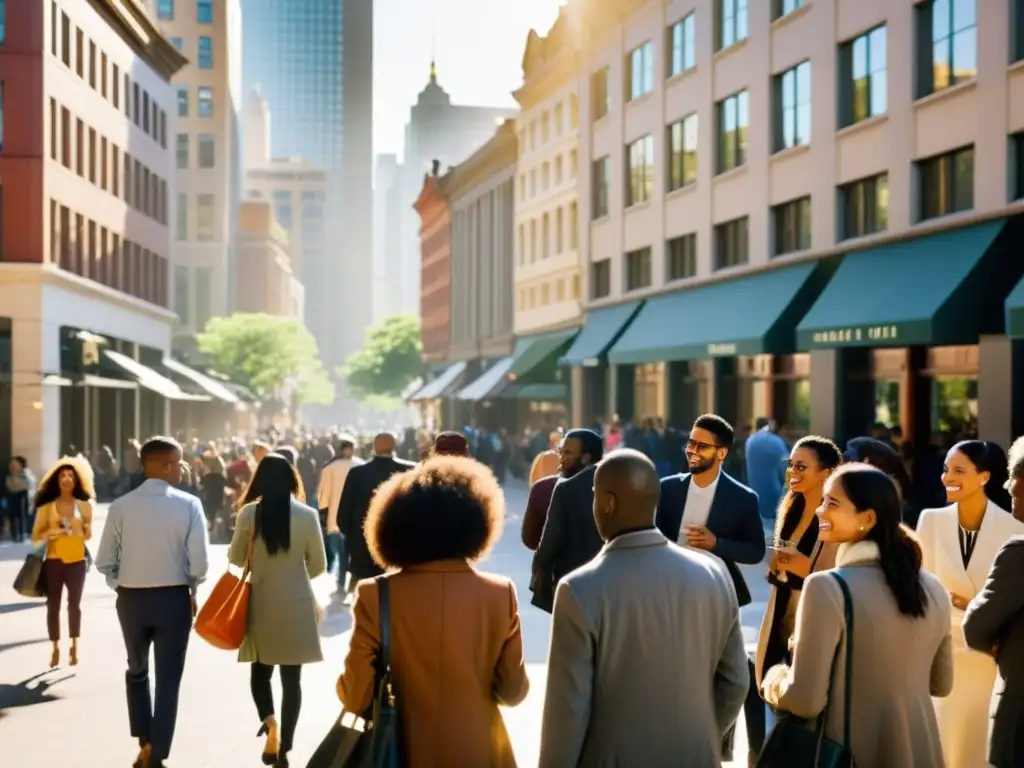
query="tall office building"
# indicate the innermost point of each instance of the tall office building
(313, 63)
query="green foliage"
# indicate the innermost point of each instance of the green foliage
(389, 360)
(267, 353)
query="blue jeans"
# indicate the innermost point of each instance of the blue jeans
(335, 545)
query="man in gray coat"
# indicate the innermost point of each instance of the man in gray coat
(647, 666)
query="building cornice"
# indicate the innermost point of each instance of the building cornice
(130, 19)
(548, 62)
(500, 152)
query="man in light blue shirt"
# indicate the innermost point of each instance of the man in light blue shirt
(153, 553)
(766, 466)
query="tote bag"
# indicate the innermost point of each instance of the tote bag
(792, 745)
(30, 581)
(224, 616)
(374, 740)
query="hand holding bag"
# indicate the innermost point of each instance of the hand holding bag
(31, 581)
(374, 740)
(791, 745)
(223, 619)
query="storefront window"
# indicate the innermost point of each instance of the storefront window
(791, 393)
(650, 391)
(953, 393)
(887, 402)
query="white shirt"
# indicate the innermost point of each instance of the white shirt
(698, 506)
(332, 481)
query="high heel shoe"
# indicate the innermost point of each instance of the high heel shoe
(270, 748)
(55, 657)
(73, 655)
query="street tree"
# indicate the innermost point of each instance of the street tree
(267, 354)
(389, 360)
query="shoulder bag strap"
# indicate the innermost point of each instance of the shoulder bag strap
(848, 690)
(385, 623)
(247, 566)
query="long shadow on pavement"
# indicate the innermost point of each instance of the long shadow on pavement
(33, 690)
(18, 607)
(21, 644)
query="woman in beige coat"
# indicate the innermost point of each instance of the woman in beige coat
(901, 644)
(283, 629)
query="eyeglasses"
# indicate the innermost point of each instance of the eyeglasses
(697, 445)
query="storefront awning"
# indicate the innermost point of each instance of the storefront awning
(490, 382)
(212, 387)
(1015, 312)
(543, 393)
(601, 330)
(150, 379)
(531, 351)
(442, 385)
(745, 316)
(932, 290)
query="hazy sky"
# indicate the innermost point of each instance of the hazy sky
(478, 45)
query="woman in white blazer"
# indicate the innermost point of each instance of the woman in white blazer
(959, 543)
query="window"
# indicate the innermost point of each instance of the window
(731, 243)
(545, 236)
(92, 155)
(181, 218)
(54, 127)
(204, 217)
(65, 137)
(205, 59)
(54, 27)
(732, 22)
(638, 269)
(947, 44)
(573, 225)
(782, 8)
(182, 150)
(165, 10)
(601, 279)
(145, 112)
(793, 107)
(52, 107)
(946, 183)
(115, 170)
(559, 118)
(104, 163)
(104, 68)
(559, 231)
(205, 151)
(864, 206)
(79, 53)
(181, 286)
(682, 158)
(862, 72)
(65, 39)
(639, 171)
(1017, 21)
(177, 43)
(3, 20)
(92, 64)
(600, 93)
(599, 187)
(204, 294)
(574, 112)
(115, 89)
(545, 128)
(182, 101)
(204, 101)
(80, 148)
(681, 257)
(733, 122)
(640, 71)
(204, 11)
(792, 222)
(682, 44)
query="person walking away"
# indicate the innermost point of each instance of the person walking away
(153, 552)
(282, 631)
(766, 455)
(707, 510)
(360, 484)
(450, 444)
(213, 492)
(896, 607)
(546, 462)
(64, 521)
(20, 488)
(332, 481)
(456, 642)
(960, 543)
(569, 538)
(646, 666)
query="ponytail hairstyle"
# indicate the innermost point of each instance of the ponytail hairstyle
(988, 457)
(829, 457)
(870, 488)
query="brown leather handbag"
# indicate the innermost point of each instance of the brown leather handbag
(223, 619)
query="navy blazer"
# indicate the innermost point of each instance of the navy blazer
(734, 518)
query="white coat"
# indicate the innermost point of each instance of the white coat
(964, 714)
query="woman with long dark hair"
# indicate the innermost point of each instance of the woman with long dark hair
(896, 607)
(64, 521)
(960, 542)
(283, 631)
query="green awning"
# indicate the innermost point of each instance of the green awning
(440, 386)
(601, 329)
(930, 290)
(745, 316)
(1015, 312)
(489, 383)
(531, 351)
(544, 393)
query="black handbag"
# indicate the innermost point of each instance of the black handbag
(31, 579)
(372, 740)
(793, 745)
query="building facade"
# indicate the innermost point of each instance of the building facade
(387, 209)
(265, 281)
(206, 145)
(772, 246)
(432, 206)
(87, 165)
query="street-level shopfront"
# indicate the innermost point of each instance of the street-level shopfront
(898, 334)
(437, 410)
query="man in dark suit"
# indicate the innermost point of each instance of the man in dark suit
(570, 538)
(705, 509)
(360, 484)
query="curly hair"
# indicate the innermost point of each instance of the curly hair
(445, 508)
(49, 486)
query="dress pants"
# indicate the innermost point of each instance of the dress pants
(57, 576)
(160, 618)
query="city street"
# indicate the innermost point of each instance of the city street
(76, 718)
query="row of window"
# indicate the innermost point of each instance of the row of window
(201, 280)
(204, 229)
(91, 64)
(529, 251)
(204, 101)
(206, 155)
(546, 176)
(547, 293)
(546, 122)
(85, 248)
(84, 151)
(165, 10)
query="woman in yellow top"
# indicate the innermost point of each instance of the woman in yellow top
(64, 521)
